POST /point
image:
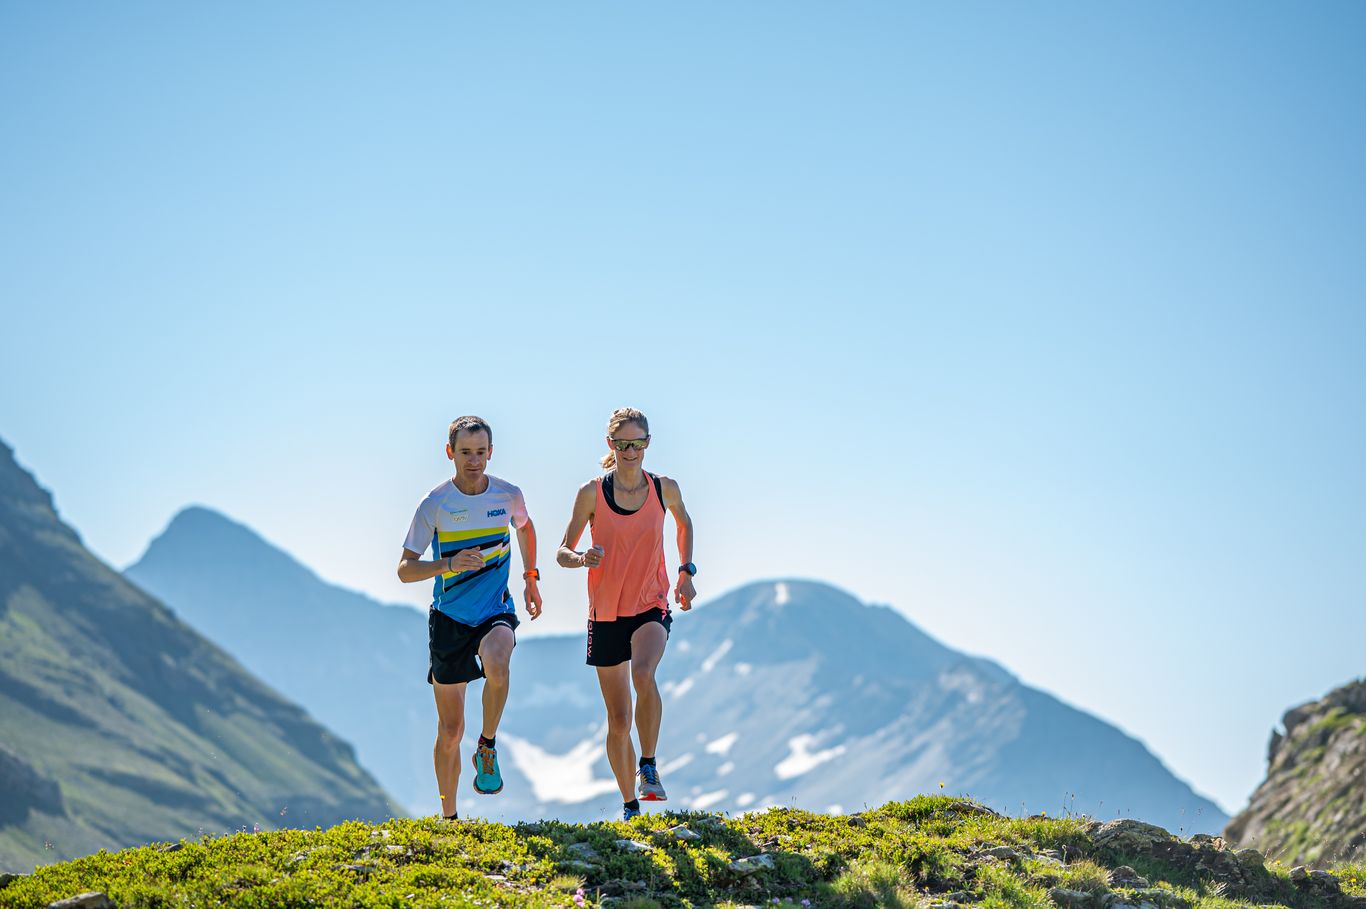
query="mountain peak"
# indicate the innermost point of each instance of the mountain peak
(201, 534)
(27, 503)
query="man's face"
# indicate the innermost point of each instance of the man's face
(471, 452)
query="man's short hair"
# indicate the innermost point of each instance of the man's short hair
(469, 424)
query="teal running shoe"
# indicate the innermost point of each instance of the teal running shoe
(648, 784)
(487, 779)
(627, 812)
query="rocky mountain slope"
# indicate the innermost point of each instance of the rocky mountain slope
(931, 852)
(119, 724)
(780, 693)
(1311, 808)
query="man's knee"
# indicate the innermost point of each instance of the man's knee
(496, 669)
(450, 732)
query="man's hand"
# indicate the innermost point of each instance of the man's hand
(531, 598)
(467, 560)
(684, 591)
(593, 557)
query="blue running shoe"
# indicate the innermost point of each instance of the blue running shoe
(487, 779)
(627, 812)
(649, 786)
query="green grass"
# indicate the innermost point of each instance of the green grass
(904, 854)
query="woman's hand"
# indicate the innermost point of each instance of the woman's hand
(684, 592)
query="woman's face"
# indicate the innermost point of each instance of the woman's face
(628, 432)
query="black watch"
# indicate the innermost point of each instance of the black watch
(689, 567)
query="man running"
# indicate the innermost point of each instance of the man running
(472, 620)
(628, 595)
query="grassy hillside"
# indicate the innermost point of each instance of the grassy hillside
(120, 724)
(924, 852)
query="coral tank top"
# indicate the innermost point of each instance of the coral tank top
(632, 578)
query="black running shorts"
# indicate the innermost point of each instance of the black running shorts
(454, 648)
(609, 643)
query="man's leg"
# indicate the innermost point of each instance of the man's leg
(495, 653)
(450, 726)
(615, 682)
(647, 648)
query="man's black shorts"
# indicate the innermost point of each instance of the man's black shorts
(454, 648)
(609, 643)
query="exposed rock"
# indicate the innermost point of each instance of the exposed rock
(8, 877)
(1250, 858)
(682, 832)
(748, 866)
(1003, 852)
(1069, 898)
(584, 852)
(1126, 835)
(633, 846)
(576, 865)
(1124, 876)
(1132, 839)
(91, 900)
(1311, 808)
(621, 887)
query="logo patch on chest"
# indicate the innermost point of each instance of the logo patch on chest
(459, 516)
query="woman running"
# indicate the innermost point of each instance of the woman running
(628, 594)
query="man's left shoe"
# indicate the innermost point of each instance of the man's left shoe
(648, 784)
(487, 779)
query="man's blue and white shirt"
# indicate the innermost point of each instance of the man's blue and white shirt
(448, 521)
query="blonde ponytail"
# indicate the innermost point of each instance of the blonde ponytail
(620, 417)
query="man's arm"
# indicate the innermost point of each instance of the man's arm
(567, 557)
(526, 542)
(412, 567)
(684, 592)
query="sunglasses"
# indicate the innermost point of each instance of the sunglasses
(629, 444)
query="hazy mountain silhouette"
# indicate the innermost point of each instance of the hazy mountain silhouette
(360, 667)
(121, 725)
(781, 692)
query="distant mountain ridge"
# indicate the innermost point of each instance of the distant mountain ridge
(359, 666)
(1311, 808)
(120, 725)
(781, 692)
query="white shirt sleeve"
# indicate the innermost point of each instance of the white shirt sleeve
(519, 515)
(419, 538)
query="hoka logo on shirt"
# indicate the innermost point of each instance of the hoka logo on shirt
(498, 512)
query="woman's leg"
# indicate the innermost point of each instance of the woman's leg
(615, 682)
(647, 648)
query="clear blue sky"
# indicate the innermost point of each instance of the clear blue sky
(1043, 323)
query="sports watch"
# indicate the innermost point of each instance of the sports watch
(689, 567)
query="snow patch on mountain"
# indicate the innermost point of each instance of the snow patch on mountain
(707, 799)
(710, 662)
(566, 778)
(802, 759)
